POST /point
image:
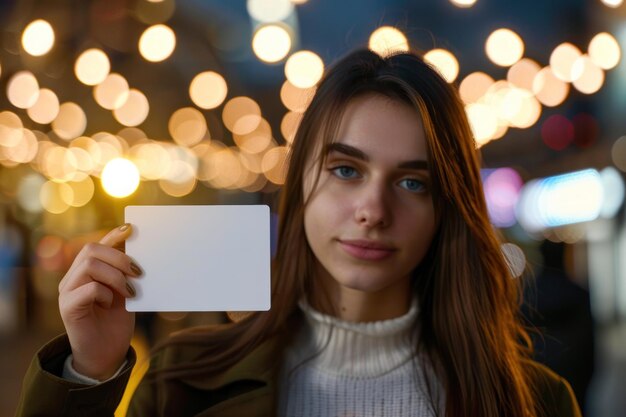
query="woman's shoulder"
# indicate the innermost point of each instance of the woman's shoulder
(553, 392)
(194, 346)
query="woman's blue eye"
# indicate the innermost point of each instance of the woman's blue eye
(412, 184)
(345, 172)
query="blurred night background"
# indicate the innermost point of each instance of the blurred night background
(109, 103)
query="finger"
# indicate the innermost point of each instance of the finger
(117, 235)
(93, 269)
(83, 298)
(113, 257)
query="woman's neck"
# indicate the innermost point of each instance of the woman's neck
(329, 297)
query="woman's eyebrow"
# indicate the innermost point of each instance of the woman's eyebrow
(348, 150)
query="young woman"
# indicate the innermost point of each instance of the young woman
(391, 296)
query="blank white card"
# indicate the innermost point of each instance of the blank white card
(200, 258)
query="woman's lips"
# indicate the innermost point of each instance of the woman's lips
(367, 250)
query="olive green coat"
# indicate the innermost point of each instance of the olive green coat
(247, 389)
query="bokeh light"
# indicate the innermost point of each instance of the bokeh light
(23, 89)
(269, 10)
(444, 62)
(241, 115)
(50, 196)
(179, 180)
(25, 150)
(483, 122)
(463, 3)
(271, 43)
(92, 67)
(588, 77)
(10, 129)
(294, 98)
(208, 90)
(549, 90)
(613, 3)
(523, 73)
(504, 47)
(502, 189)
(256, 141)
(71, 121)
(604, 51)
(289, 125)
(387, 40)
(157, 43)
(187, 126)
(557, 132)
(515, 258)
(274, 164)
(120, 178)
(38, 37)
(618, 153)
(474, 86)
(152, 160)
(613, 185)
(562, 60)
(28, 192)
(134, 111)
(560, 200)
(112, 93)
(46, 108)
(304, 69)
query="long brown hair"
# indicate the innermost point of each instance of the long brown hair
(469, 302)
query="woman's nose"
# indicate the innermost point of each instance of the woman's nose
(372, 206)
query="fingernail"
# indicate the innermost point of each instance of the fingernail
(124, 227)
(131, 289)
(135, 268)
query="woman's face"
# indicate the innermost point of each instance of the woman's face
(370, 219)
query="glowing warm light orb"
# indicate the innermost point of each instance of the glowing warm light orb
(463, 3)
(92, 67)
(549, 90)
(241, 115)
(269, 10)
(135, 109)
(120, 178)
(483, 122)
(208, 90)
(387, 39)
(304, 69)
(46, 108)
(271, 43)
(588, 77)
(474, 86)
(604, 51)
(71, 121)
(294, 98)
(112, 93)
(523, 73)
(562, 60)
(157, 43)
(23, 89)
(612, 3)
(444, 62)
(504, 47)
(38, 37)
(187, 126)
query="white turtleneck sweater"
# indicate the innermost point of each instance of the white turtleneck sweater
(337, 368)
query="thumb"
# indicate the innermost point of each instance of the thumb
(117, 236)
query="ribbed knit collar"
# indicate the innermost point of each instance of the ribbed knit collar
(355, 349)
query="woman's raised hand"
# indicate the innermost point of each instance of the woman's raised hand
(91, 301)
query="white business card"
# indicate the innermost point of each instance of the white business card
(200, 258)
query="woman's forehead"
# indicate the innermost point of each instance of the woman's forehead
(381, 125)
